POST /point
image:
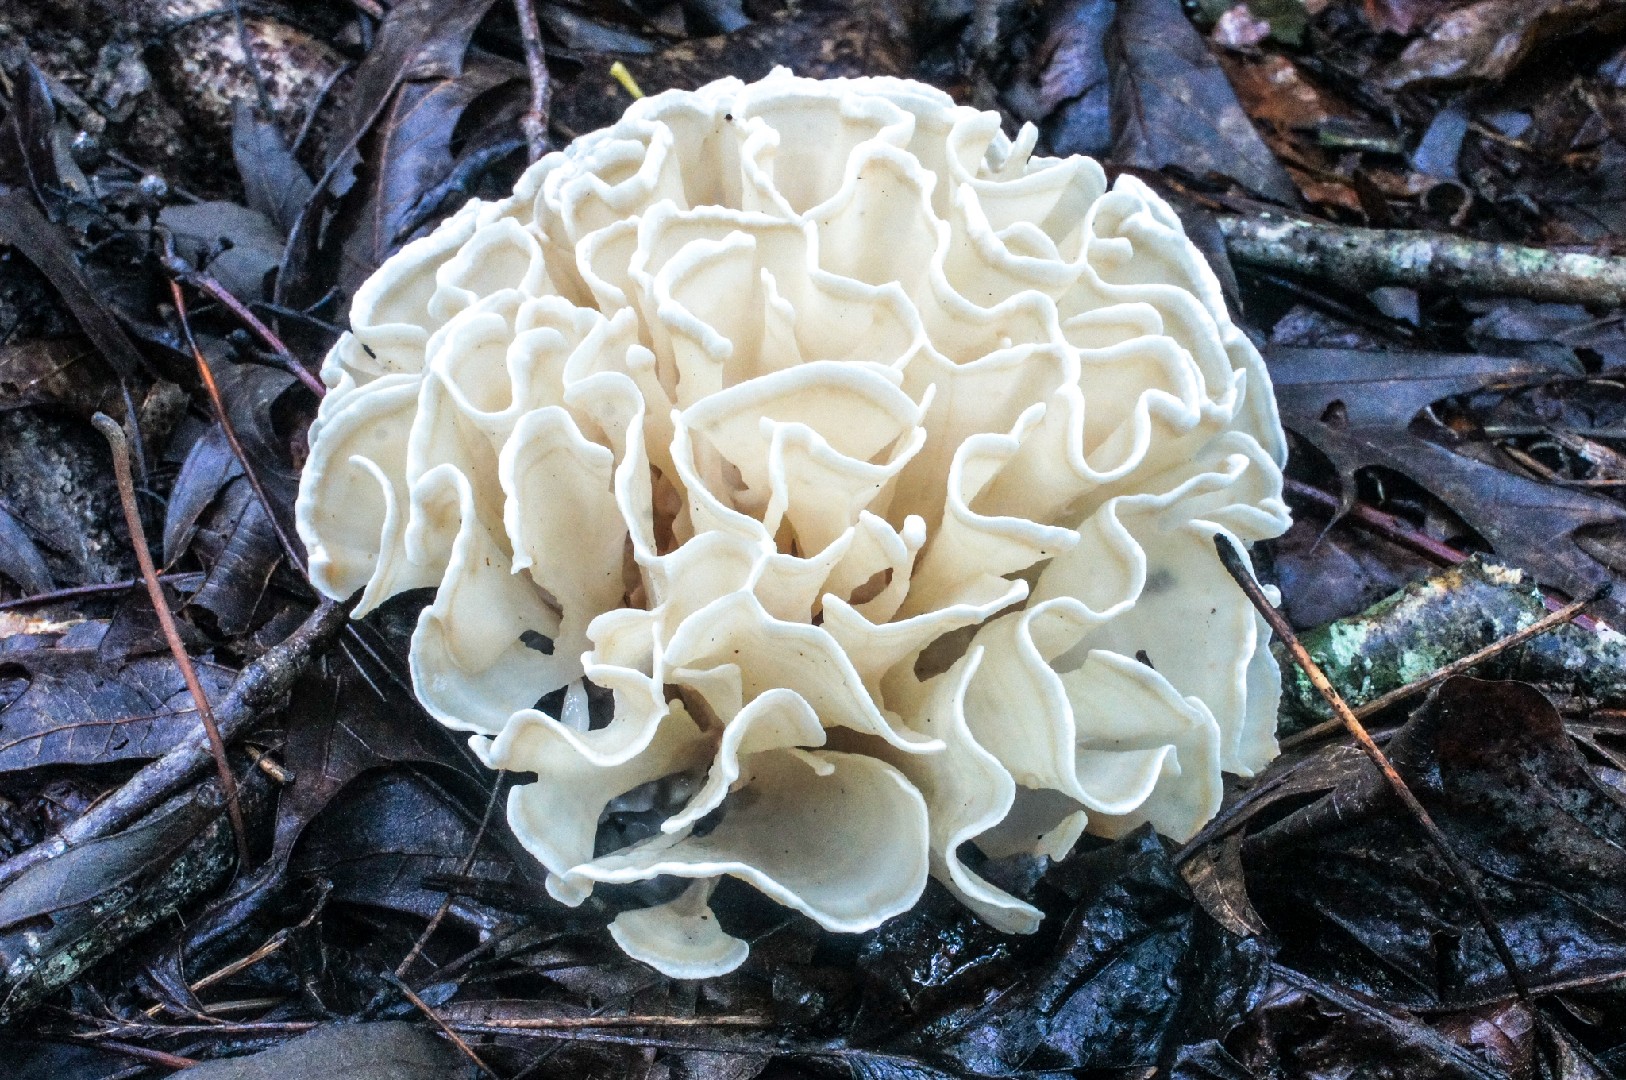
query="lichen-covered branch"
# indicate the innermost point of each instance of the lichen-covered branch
(1364, 258)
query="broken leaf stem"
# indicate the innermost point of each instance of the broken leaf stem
(1363, 258)
(213, 390)
(155, 591)
(1235, 564)
(214, 290)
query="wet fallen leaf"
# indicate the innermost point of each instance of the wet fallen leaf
(409, 156)
(1139, 971)
(1360, 410)
(56, 371)
(1360, 899)
(1172, 105)
(74, 707)
(376, 1051)
(20, 558)
(274, 183)
(1484, 42)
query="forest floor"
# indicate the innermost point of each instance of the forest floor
(192, 188)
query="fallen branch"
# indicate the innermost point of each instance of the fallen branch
(1364, 258)
(1551, 621)
(535, 121)
(260, 686)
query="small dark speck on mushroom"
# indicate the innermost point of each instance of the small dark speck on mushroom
(540, 642)
(1140, 654)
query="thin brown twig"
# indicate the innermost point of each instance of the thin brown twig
(271, 945)
(82, 590)
(212, 388)
(1399, 531)
(217, 292)
(1386, 525)
(535, 121)
(142, 1053)
(457, 1040)
(155, 591)
(572, 1023)
(1236, 565)
(467, 865)
(1552, 620)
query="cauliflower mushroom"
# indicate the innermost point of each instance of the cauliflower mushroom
(817, 465)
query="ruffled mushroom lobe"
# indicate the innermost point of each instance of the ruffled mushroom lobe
(821, 468)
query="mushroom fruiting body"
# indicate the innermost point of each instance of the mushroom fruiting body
(813, 462)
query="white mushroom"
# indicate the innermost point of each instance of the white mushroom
(816, 457)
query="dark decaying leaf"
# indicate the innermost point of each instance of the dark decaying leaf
(252, 394)
(215, 512)
(1312, 1030)
(1074, 85)
(274, 183)
(23, 226)
(81, 709)
(1332, 569)
(58, 371)
(209, 467)
(388, 837)
(28, 161)
(243, 553)
(1485, 41)
(409, 156)
(20, 558)
(376, 1051)
(1357, 897)
(1359, 408)
(1138, 971)
(1172, 105)
(238, 246)
(418, 40)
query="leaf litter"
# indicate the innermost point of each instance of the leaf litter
(1309, 931)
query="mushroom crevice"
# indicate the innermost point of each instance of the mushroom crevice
(814, 485)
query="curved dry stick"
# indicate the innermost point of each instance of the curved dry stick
(149, 574)
(1236, 565)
